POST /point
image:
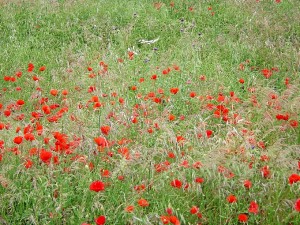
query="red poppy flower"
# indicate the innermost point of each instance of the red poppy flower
(185, 164)
(100, 141)
(134, 120)
(56, 160)
(18, 129)
(33, 151)
(174, 90)
(169, 211)
(247, 184)
(7, 113)
(91, 166)
(282, 117)
(231, 199)
(29, 137)
(267, 73)
(42, 68)
(171, 155)
(171, 117)
(100, 220)
(53, 92)
(97, 186)
(165, 219)
(150, 130)
(221, 98)
(18, 74)
(264, 158)
(202, 77)
(209, 133)
(129, 208)
(7, 78)
(243, 218)
(294, 123)
(180, 139)
(199, 180)
(39, 128)
(97, 105)
(194, 210)
(30, 67)
(197, 165)
(121, 177)
(261, 144)
(64, 92)
(20, 102)
(45, 156)
(105, 173)
(199, 215)
(253, 208)
(154, 77)
(121, 100)
(160, 91)
(91, 89)
(18, 140)
(157, 100)
(294, 178)
(143, 202)
(28, 164)
(130, 55)
(266, 173)
(297, 205)
(176, 183)
(193, 94)
(166, 71)
(174, 220)
(35, 78)
(105, 129)
(95, 98)
(242, 66)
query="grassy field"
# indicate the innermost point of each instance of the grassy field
(146, 112)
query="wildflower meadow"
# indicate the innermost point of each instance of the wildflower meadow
(141, 112)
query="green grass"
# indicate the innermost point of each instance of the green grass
(207, 46)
